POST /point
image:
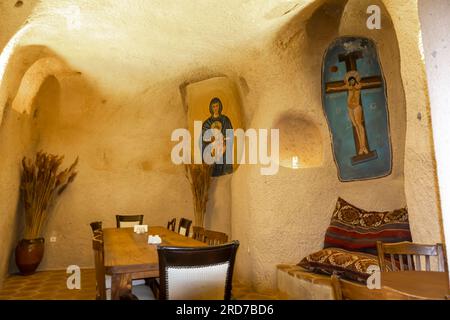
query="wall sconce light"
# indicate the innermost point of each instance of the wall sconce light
(295, 163)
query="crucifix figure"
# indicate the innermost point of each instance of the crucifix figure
(353, 84)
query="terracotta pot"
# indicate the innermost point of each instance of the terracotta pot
(29, 254)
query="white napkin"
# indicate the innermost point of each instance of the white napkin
(138, 228)
(154, 239)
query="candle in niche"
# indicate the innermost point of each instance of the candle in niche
(295, 162)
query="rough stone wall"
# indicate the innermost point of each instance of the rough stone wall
(16, 132)
(13, 15)
(436, 43)
(284, 217)
(118, 111)
(421, 188)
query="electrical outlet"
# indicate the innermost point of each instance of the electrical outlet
(53, 239)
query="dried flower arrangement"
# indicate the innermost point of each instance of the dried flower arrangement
(199, 176)
(40, 185)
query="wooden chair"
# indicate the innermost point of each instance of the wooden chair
(184, 227)
(348, 290)
(413, 253)
(97, 245)
(200, 273)
(215, 237)
(172, 224)
(198, 233)
(140, 292)
(128, 221)
(96, 225)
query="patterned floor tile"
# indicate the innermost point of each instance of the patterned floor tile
(51, 285)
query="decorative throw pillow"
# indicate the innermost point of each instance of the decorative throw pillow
(347, 264)
(355, 229)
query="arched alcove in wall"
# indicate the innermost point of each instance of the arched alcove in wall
(33, 79)
(27, 69)
(301, 144)
(45, 113)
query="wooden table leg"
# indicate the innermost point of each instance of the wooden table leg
(120, 285)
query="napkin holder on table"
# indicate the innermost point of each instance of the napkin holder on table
(154, 239)
(140, 228)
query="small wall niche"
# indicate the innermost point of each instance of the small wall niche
(301, 143)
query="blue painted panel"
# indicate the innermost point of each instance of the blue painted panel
(351, 164)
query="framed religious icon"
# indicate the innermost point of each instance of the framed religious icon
(214, 103)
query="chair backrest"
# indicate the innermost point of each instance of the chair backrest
(172, 224)
(184, 226)
(128, 221)
(200, 273)
(348, 290)
(198, 233)
(99, 261)
(412, 253)
(95, 226)
(215, 237)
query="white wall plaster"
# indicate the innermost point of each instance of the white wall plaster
(435, 26)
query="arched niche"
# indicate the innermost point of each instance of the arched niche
(28, 69)
(33, 79)
(301, 143)
(45, 113)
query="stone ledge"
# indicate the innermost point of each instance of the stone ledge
(299, 272)
(298, 283)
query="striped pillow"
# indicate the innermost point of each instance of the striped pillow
(355, 229)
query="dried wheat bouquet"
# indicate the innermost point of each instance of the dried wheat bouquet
(41, 184)
(199, 176)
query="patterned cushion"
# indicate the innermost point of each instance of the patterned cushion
(355, 229)
(347, 264)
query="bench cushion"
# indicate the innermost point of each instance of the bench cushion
(349, 265)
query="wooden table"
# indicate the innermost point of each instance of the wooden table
(128, 256)
(418, 284)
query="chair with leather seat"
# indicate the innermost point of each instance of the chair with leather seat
(184, 226)
(96, 225)
(129, 221)
(172, 224)
(196, 273)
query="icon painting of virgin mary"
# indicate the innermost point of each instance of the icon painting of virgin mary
(221, 122)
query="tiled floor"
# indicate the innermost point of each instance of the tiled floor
(51, 285)
(48, 285)
(242, 292)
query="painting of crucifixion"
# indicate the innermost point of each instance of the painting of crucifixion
(355, 104)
